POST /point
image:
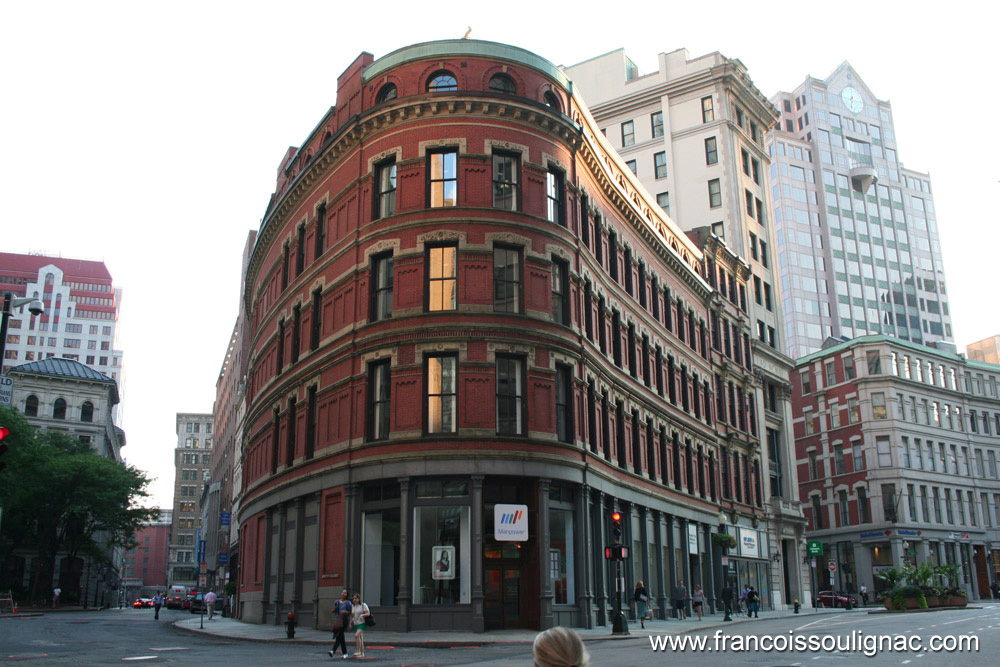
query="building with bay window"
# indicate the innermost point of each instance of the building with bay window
(474, 335)
(897, 449)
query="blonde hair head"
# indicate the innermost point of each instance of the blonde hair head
(559, 647)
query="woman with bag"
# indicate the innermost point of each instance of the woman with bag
(698, 600)
(641, 598)
(341, 617)
(359, 621)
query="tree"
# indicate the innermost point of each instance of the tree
(61, 497)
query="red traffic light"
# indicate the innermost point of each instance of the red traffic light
(4, 432)
(616, 516)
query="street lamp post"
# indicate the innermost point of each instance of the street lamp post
(35, 306)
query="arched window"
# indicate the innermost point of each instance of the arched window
(501, 83)
(59, 409)
(552, 101)
(388, 92)
(31, 406)
(87, 412)
(440, 81)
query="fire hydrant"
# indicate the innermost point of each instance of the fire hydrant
(290, 625)
(797, 606)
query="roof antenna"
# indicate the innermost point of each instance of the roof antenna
(467, 33)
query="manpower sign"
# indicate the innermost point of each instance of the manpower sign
(510, 523)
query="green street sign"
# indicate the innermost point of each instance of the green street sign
(815, 548)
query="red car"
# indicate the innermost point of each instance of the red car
(835, 599)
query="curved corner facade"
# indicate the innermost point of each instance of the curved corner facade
(473, 337)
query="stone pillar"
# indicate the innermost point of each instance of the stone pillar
(476, 557)
(266, 591)
(710, 567)
(897, 552)
(660, 565)
(644, 541)
(404, 597)
(672, 558)
(279, 586)
(685, 557)
(545, 575)
(352, 547)
(300, 530)
(601, 565)
(583, 548)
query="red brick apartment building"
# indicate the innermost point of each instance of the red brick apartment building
(462, 305)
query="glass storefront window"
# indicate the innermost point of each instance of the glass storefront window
(561, 562)
(441, 566)
(380, 562)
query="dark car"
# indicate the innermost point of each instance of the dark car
(175, 602)
(835, 599)
(198, 603)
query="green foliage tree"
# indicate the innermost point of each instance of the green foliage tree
(61, 497)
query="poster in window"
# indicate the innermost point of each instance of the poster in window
(444, 562)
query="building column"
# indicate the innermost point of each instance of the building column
(672, 560)
(600, 571)
(685, 557)
(478, 619)
(352, 546)
(404, 596)
(545, 575)
(644, 541)
(897, 552)
(583, 545)
(279, 586)
(710, 565)
(661, 571)
(300, 533)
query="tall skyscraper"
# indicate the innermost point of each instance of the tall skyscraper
(81, 313)
(192, 463)
(857, 238)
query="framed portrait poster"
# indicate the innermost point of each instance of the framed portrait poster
(443, 559)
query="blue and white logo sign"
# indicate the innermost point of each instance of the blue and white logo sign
(510, 523)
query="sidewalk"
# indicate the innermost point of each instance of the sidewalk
(228, 628)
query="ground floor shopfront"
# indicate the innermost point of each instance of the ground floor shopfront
(862, 555)
(481, 552)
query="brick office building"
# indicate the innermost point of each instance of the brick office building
(460, 298)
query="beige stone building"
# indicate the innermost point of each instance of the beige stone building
(192, 463)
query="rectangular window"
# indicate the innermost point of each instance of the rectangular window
(442, 394)
(848, 368)
(707, 110)
(889, 502)
(864, 513)
(853, 411)
(442, 278)
(660, 164)
(711, 151)
(663, 199)
(656, 121)
(813, 466)
(884, 450)
(817, 511)
(838, 460)
(628, 133)
(378, 400)
(442, 178)
(381, 287)
(714, 193)
(831, 374)
(554, 196)
(806, 379)
(316, 323)
(506, 279)
(845, 515)
(380, 565)
(878, 405)
(442, 548)
(385, 189)
(874, 363)
(560, 291)
(858, 453)
(631, 166)
(510, 395)
(506, 170)
(564, 403)
(320, 230)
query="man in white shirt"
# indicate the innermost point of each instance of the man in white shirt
(210, 599)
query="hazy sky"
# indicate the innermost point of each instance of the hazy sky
(148, 135)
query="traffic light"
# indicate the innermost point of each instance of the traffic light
(616, 518)
(4, 431)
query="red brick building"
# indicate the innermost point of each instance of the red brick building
(474, 336)
(145, 566)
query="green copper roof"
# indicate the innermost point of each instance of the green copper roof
(466, 47)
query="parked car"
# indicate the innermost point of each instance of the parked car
(835, 599)
(142, 602)
(198, 603)
(175, 602)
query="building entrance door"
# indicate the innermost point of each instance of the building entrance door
(502, 604)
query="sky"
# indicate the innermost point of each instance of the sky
(148, 135)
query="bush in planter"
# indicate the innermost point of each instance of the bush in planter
(908, 597)
(724, 540)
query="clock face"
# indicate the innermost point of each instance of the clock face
(852, 100)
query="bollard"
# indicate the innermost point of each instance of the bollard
(290, 625)
(797, 606)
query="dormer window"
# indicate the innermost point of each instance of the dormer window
(441, 81)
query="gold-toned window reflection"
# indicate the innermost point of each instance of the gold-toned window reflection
(442, 278)
(441, 394)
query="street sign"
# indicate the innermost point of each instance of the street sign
(815, 548)
(202, 581)
(725, 561)
(6, 390)
(813, 563)
(203, 568)
(832, 566)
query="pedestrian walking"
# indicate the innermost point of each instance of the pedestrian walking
(743, 600)
(753, 602)
(359, 621)
(680, 598)
(864, 594)
(341, 619)
(56, 592)
(157, 603)
(697, 600)
(559, 647)
(210, 599)
(996, 590)
(641, 598)
(727, 600)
